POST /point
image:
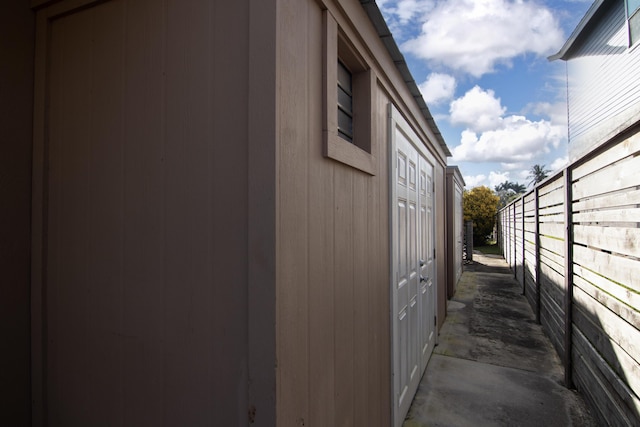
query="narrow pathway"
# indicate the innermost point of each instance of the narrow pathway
(493, 365)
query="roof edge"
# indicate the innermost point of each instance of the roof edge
(584, 22)
(375, 15)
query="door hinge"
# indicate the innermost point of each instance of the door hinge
(434, 253)
(435, 320)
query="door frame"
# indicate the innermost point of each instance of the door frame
(397, 121)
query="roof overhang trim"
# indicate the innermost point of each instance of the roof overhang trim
(381, 27)
(575, 35)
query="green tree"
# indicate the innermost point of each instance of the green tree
(509, 191)
(513, 186)
(480, 205)
(537, 173)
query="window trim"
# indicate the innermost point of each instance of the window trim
(360, 153)
(635, 15)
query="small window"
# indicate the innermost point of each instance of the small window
(349, 86)
(633, 18)
(345, 103)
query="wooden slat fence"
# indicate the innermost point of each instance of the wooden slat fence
(573, 243)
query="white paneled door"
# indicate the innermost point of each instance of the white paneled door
(413, 266)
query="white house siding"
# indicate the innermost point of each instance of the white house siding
(603, 84)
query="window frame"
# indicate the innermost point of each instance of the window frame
(635, 17)
(360, 152)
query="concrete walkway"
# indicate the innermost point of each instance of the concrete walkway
(493, 365)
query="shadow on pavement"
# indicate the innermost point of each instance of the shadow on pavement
(493, 365)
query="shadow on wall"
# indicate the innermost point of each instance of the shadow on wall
(593, 323)
(578, 263)
(601, 369)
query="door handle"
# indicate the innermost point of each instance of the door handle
(421, 263)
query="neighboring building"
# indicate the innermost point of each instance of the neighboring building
(602, 59)
(215, 213)
(455, 228)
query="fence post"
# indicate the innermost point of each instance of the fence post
(515, 246)
(499, 229)
(536, 208)
(568, 278)
(469, 238)
(524, 255)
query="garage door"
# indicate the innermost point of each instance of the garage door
(413, 266)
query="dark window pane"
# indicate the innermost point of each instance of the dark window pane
(345, 101)
(345, 125)
(344, 78)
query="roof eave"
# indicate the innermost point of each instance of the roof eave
(584, 22)
(385, 35)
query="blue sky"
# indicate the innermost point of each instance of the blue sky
(482, 68)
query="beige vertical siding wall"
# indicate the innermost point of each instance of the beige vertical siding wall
(333, 285)
(153, 179)
(454, 229)
(16, 87)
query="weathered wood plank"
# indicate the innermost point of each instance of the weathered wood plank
(552, 229)
(619, 151)
(553, 207)
(600, 384)
(619, 269)
(550, 285)
(609, 216)
(624, 241)
(611, 329)
(550, 186)
(546, 217)
(554, 245)
(552, 322)
(612, 178)
(617, 307)
(586, 278)
(609, 200)
(552, 260)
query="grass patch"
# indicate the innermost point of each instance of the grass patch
(490, 249)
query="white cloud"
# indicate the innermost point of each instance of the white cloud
(513, 166)
(559, 163)
(490, 181)
(408, 9)
(491, 137)
(478, 110)
(556, 112)
(496, 178)
(517, 140)
(474, 181)
(438, 88)
(475, 35)
(404, 11)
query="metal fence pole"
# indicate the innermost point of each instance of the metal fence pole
(568, 278)
(469, 239)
